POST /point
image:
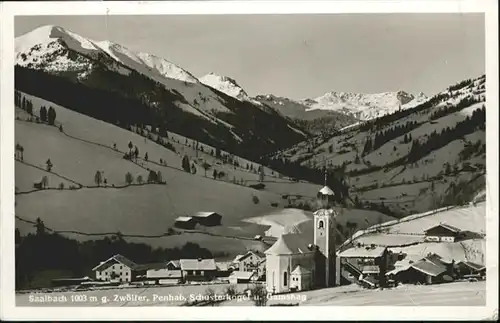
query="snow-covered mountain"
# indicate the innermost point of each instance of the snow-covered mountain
(365, 106)
(171, 94)
(45, 47)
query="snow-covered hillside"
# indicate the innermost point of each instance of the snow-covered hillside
(42, 48)
(158, 84)
(365, 106)
(411, 159)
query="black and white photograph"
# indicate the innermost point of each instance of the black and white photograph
(251, 160)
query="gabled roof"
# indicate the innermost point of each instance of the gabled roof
(252, 252)
(242, 274)
(153, 266)
(445, 226)
(205, 214)
(428, 268)
(289, 244)
(472, 265)
(300, 270)
(198, 264)
(183, 219)
(163, 273)
(326, 191)
(175, 263)
(363, 252)
(118, 258)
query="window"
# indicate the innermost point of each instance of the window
(285, 278)
(321, 225)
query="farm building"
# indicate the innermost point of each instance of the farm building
(469, 269)
(238, 277)
(185, 222)
(118, 269)
(442, 233)
(208, 218)
(164, 276)
(198, 269)
(429, 270)
(367, 261)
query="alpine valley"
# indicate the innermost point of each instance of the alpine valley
(121, 118)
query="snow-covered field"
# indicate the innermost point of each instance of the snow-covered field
(451, 294)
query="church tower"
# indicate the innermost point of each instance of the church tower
(324, 238)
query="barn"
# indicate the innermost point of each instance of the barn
(185, 222)
(208, 218)
(442, 233)
(117, 268)
(198, 269)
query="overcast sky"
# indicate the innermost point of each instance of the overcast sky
(302, 56)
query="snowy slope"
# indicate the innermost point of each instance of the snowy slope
(382, 175)
(42, 46)
(61, 52)
(364, 106)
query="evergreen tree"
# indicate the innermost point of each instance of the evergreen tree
(214, 174)
(43, 114)
(159, 177)
(40, 227)
(152, 177)
(130, 148)
(146, 156)
(98, 178)
(139, 179)
(128, 178)
(136, 153)
(193, 169)
(51, 116)
(186, 164)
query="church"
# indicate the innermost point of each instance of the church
(293, 264)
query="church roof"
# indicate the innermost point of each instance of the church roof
(289, 244)
(299, 270)
(326, 191)
(291, 229)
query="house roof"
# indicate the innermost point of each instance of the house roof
(289, 244)
(204, 214)
(183, 219)
(326, 191)
(370, 269)
(445, 226)
(363, 252)
(237, 258)
(198, 264)
(252, 252)
(118, 258)
(163, 273)
(153, 266)
(428, 268)
(175, 263)
(300, 270)
(472, 265)
(242, 274)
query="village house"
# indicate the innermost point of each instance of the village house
(367, 261)
(164, 276)
(468, 269)
(239, 277)
(443, 233)
(292, 263)
(185, 222)
(249, 261)
(208, 218)
(117, 269)
(198, 269)
(429, 270)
